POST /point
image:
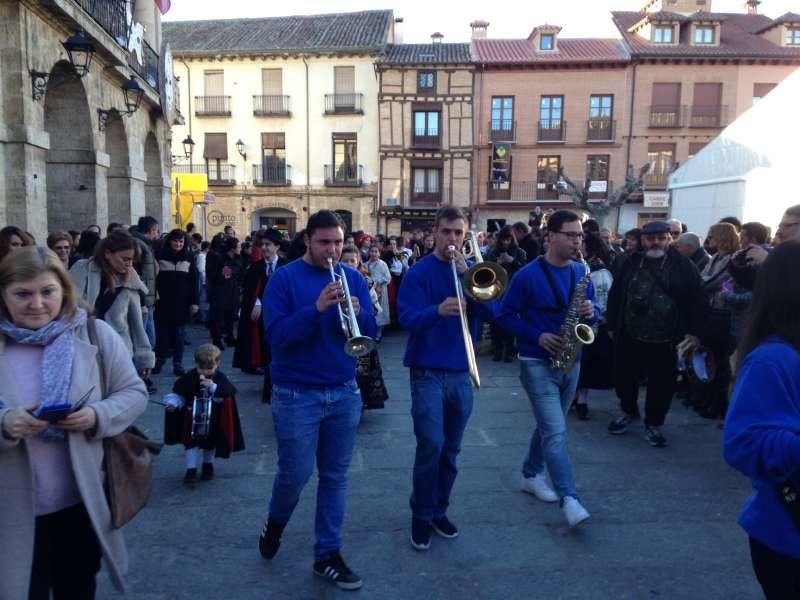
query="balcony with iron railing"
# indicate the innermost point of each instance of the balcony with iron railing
(423, 197)
(426, 138)
(111, 15)
(536, 191)
(667, 116)
(271, 106)
(272, 175)
(344, 175)
(656, 179)
(709, 117)
(601, 130)
(188, 168)
(502, 130)
(149, 70)
(344, 104)
(221, 174)
(212, 106)
(553, 131)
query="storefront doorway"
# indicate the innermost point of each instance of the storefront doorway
(281, 219)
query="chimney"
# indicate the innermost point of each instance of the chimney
(398, 30)
(436, 38)
(479, 29)
(752, 6)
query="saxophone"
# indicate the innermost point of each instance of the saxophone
(576, 334)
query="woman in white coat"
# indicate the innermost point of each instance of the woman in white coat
(55, 524)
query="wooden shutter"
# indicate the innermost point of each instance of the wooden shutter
(707, 94)
(214, 83)
(695, 147)
(762, 89)
(344, 80)
(216, 146)
(273, 140)
(666, 94)
(272, 82)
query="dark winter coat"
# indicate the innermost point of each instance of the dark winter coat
(176, 285)
(530, 245)
(225, 432)
(224, 275)
(518, 254)
(251, 351)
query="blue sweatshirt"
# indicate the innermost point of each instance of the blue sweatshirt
(762, 440)
(308, 346)
(529, 308)
(435, 341)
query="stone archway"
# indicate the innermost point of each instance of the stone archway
(347, 217)
(72, 179)
(118, 178)
(154, 186)
(279, 218)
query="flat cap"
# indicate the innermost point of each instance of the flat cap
(654, 227)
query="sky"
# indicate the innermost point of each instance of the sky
(579, 18)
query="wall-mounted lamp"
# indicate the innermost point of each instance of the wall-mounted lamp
(188, 146)
(132, 93)
(240, 149)
(79, 51)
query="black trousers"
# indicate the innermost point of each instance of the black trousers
(658, 362)
(502, 340)
(778, 574)
(221, 323)
(169, 340)
(66, 556)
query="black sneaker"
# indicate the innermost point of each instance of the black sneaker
(191, 476)
(270, 539)
(178, 370)
(207, 474)
(420, 534)
(654, 436)
(620, 424)
(582, 410)
(335, 569)
(444, 527)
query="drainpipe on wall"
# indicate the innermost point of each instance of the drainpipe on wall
(630, 140)
(308, 146)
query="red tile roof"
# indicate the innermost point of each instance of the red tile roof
(738, 39)
(522, 52)
(788, 17)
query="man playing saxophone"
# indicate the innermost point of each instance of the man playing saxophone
(541, 297)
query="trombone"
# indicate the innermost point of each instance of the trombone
(483, 281)
(356, 345)
(462, 317)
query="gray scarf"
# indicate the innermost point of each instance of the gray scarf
(57, 338)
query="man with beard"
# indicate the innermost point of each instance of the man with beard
(656, 299)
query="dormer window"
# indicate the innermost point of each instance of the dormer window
(663, 35)
(704, 35)
(792, 36)
(546, 41)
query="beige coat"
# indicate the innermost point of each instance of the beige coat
(126, 399)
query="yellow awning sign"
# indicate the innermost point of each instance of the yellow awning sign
(187, 189)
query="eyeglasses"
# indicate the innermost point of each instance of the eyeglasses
(572, 235)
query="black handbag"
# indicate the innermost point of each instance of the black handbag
(127, 460)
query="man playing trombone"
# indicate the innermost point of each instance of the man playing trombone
(316, 403)
(441, 390)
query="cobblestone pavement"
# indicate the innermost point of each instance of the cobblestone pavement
(663, 521)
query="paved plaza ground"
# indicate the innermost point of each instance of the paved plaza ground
(663, 521)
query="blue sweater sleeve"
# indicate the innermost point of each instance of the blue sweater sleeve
(413, 311)
(512, 305)
(759, 440)
(284, 328)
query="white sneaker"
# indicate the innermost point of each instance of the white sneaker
(574, 511)
(538, 486)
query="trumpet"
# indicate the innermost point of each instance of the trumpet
(356, 345)
(483, 281)
(462, 317)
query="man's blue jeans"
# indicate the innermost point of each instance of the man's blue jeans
(150, 326)
(441, 403)
(550, 394)
(314, 423)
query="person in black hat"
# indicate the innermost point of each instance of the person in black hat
(655, 300)
(252, 352)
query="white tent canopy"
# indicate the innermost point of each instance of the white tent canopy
(750, 171)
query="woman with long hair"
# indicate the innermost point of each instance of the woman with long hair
(762, 431)
(55, 523)
(11, 238)
(109, 283)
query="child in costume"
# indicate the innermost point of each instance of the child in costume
(222, 433)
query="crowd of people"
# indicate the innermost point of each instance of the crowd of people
(714, 319)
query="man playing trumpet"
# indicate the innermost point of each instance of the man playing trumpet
(316, 403)
(441, 390)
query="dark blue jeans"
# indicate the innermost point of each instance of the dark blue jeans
(315, 423)
(170, 338)
(441, 403)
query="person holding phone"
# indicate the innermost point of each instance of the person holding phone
(55, 523)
